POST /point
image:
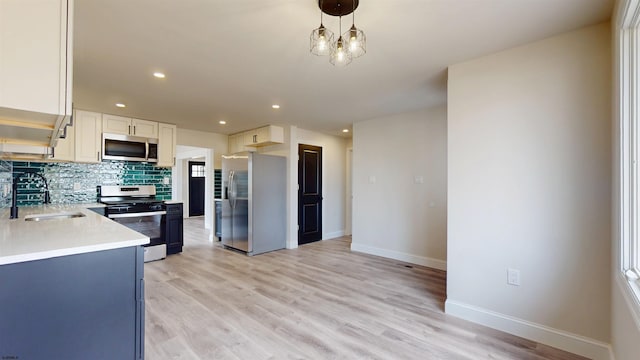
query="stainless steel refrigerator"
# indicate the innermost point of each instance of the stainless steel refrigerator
(254, 202)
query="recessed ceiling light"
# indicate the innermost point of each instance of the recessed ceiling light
(222, 122)
(345, 130)
(275, 106)
(121, 105)
(159, 75)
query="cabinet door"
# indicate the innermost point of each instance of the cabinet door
(88, 136)
(250, 137)
(174, 234)
(113, 124)
(266, 135)
(263, 135)
(65, 150)
(35, 38)
(166, 145)
(236, 143)
(144, 128)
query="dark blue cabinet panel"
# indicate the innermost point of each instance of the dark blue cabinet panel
(86, 306)
(173, 228)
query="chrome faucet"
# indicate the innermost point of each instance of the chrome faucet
(14, 193)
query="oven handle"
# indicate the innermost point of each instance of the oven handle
(130, 215)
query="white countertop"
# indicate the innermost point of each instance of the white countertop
(22, 240)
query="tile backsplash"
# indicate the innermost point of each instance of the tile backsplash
(5, 183)
(76, 183)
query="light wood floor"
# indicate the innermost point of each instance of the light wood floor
(319, 301)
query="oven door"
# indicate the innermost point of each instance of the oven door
(149, 224)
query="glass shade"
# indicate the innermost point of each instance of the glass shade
(340, 56)
(355, 41)
(321, 41)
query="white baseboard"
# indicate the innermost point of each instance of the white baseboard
(577, 344)
(333, 235)
(396, 255)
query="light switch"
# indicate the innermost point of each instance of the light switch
(372, 179)
(166, 180)
(418, 179)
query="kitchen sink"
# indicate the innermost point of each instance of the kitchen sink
(57, 216)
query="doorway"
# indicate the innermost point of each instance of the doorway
(309, 193)
(196, 188)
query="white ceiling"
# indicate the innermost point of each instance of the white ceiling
(231, 59)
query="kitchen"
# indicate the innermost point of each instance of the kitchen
(408, 115)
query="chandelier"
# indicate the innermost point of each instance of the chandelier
(348, 46)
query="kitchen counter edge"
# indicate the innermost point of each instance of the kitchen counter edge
(22, 241)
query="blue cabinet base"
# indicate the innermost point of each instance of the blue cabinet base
(86, 306)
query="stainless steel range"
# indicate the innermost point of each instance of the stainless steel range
(137, 208)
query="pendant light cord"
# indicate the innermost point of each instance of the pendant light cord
(353, 12)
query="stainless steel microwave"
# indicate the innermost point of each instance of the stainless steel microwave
(131, 148)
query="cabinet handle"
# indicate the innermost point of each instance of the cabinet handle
(129, 129)
(134, 129)
(255, 139)
(174, 161)
(98, 156)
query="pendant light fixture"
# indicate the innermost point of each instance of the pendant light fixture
(321, 39)
(356, 41)
(350, 45)
(340, 56)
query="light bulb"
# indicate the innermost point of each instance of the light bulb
(353, 45)
(322, 44)
(340, 51)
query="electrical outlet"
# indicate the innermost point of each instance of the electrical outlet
(513, 277)
(418, 179)
(76, 187)
(166, 180)
(372, 179)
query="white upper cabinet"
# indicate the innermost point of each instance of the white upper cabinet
(166, 145)
(88, 136)
(113, 124)
(65, 150)
(267, 135)
(35, 57)
(236, 143)
(144, 128)
(252, 139)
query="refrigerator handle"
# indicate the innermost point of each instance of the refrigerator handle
(231, 191)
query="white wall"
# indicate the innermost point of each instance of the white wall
(211, 147)
(529, 188)
(202, 139)
(394, 215)
(625, 333)
(180, 190)
(333, 180)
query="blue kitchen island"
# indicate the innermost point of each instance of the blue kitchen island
(71, 289)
